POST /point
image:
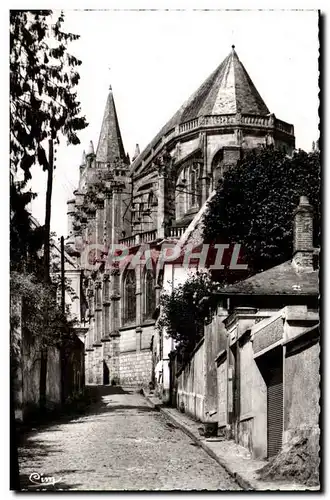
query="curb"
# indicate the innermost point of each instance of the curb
(246, 485)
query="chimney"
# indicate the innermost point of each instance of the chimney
(303, 236)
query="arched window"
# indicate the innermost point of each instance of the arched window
(194, 185)
(130, 297)
(217, 168)
(150, 298)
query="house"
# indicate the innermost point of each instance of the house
(258, 376)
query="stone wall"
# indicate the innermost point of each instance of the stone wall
(191, 384)
(53, 380)
(127, 341)
(222, 388)
(135, 368)
(30, 379)
(302, 387)
(215, 341)
(252, 425)
(30, 366)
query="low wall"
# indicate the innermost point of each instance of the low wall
(215, 339)
(135, 368)
(192, 384)
(53, 379)
(30, 366)
(302, 385)
(252, 425)
(135, 356)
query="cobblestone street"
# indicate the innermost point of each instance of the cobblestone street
(121, 444)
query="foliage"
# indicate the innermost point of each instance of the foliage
(30, 299)
(255, 201)
(183, 311)
(43, 77)
(25, 240)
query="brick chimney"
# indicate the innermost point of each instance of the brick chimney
(303, 235)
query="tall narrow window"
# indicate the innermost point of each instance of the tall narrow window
(130, 297)
(193, 185)
(150, 299)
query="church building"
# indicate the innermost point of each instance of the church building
(149, 200)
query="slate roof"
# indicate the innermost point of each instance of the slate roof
(228, 90)
(283, 279)
(110, 146)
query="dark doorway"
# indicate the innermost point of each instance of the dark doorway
(106, 374)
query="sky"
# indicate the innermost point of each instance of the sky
(154, 60)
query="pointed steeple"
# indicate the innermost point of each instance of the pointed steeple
(137, 152)
(110, 147)
(229, 89)
(83, 159)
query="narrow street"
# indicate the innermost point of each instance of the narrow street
(121, 444)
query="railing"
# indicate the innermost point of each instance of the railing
(212, 120)
(129, 241)
(148, 236)
(137, 239)
(176, 232)
(270, 122)
(261, 121)
(185, 127)
(285, 127)
(223, 120)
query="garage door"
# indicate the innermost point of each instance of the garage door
(274, 409)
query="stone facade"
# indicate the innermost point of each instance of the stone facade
(155, 197)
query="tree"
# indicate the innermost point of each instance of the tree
(25, 239)
(43, 78)
(43, 101)
(43, 109)
(255, 201)
(183, 312)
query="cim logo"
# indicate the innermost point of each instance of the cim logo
(41, 480)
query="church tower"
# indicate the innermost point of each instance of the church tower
(98, 217)
(152, 200)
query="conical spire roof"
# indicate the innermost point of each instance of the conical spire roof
(137, 152)
(90, 149)
(228, 90)
(110, 147)
(83, 159)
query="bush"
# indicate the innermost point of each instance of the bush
(183, 314)
(255, 201)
